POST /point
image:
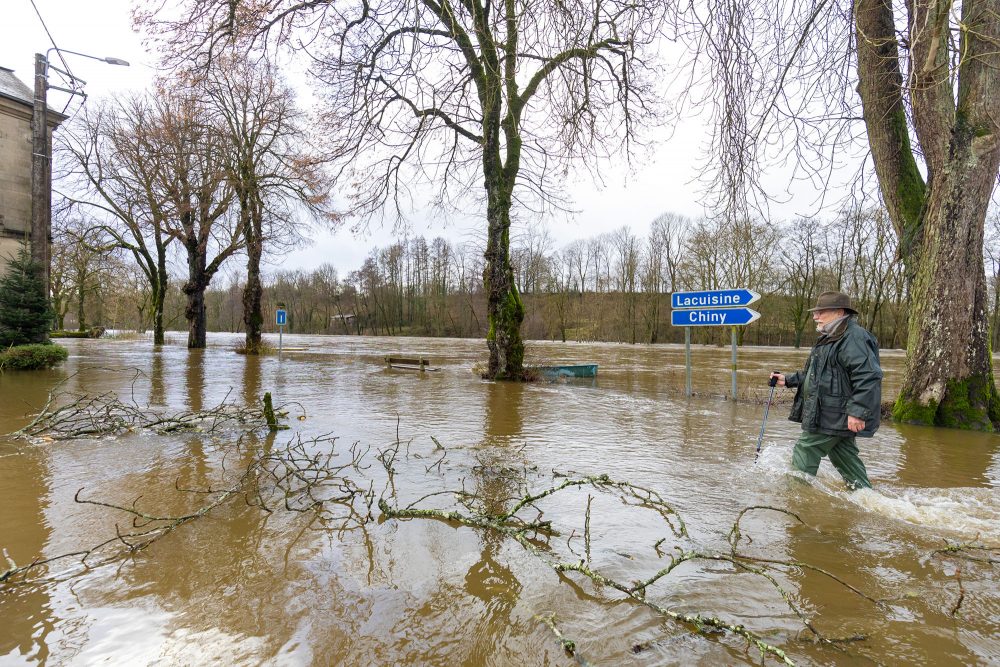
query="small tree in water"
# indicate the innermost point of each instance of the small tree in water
(25, 314)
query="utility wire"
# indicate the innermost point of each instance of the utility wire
(65, 65)
(53, 41)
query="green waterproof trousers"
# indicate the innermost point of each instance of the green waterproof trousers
(843, 453)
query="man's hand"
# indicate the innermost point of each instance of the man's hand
(781, 378)
(855, 425)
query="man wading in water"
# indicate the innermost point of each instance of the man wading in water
(839, 392)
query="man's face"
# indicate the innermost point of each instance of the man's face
(824, 316)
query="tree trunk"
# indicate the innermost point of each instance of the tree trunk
(194, 289)
(157, 298)
(253, 318)
(949, 377)
(503, 302)
(81, 315)
(995, 318)
(195, 314)
(158, 291)
(880, 84)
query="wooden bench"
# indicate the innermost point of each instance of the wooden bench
(408, 363)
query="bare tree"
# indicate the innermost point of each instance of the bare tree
(705, 255)
(627, 258)
(992, 252)
(801, 258)
(532, 246)
(652, 284)
(199, 194)
(60, 273)
(559, 279)
(575, 257)
(272, 170)
(668, 233)
(115, 163)
(79, 253)
(452, 95)
(922, 82)
(877, 261)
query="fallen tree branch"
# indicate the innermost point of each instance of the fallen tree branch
(971, 551)
(526, 533)
(568, 645)
(106, 414)
(301, 476)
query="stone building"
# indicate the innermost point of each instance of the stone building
(16, 102)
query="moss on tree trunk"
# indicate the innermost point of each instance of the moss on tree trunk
(504, 305)
(970, 404)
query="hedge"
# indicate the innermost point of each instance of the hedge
(32, 357)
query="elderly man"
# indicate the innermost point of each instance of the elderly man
(839, 392)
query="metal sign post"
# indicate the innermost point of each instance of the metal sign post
(280, 318)
(712, 308)
(687, 361)
(734, 362)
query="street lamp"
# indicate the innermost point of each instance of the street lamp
(41, 155)
(111, 60)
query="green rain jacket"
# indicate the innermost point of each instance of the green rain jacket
(841, 377)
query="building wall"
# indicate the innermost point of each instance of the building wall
(15, 177)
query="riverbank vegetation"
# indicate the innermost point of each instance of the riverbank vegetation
(612, 287)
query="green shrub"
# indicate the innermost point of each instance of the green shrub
(32, 357)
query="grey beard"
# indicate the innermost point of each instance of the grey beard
(831, 326)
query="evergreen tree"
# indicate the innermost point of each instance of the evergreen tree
(25, 314)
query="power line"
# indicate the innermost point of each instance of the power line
(53, 41)
(66, 70)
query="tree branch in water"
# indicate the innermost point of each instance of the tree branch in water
(300, 476)
(526, 532)
(106, 414)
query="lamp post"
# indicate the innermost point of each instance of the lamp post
(41, 157)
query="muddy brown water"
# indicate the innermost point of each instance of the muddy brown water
(243, 586)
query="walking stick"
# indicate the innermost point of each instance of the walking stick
(772, 383)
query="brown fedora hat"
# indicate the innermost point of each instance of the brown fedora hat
(832, 301)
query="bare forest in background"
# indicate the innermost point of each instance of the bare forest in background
(612, 287)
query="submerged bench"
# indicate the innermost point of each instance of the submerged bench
(409, 363)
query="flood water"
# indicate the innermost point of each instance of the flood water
(304, 582)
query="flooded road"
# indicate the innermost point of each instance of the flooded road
(826, 576)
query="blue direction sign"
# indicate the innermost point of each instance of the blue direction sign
(280, 317)
(722, 298)
(713, 317)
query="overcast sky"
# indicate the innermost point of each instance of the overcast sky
(634, 197)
